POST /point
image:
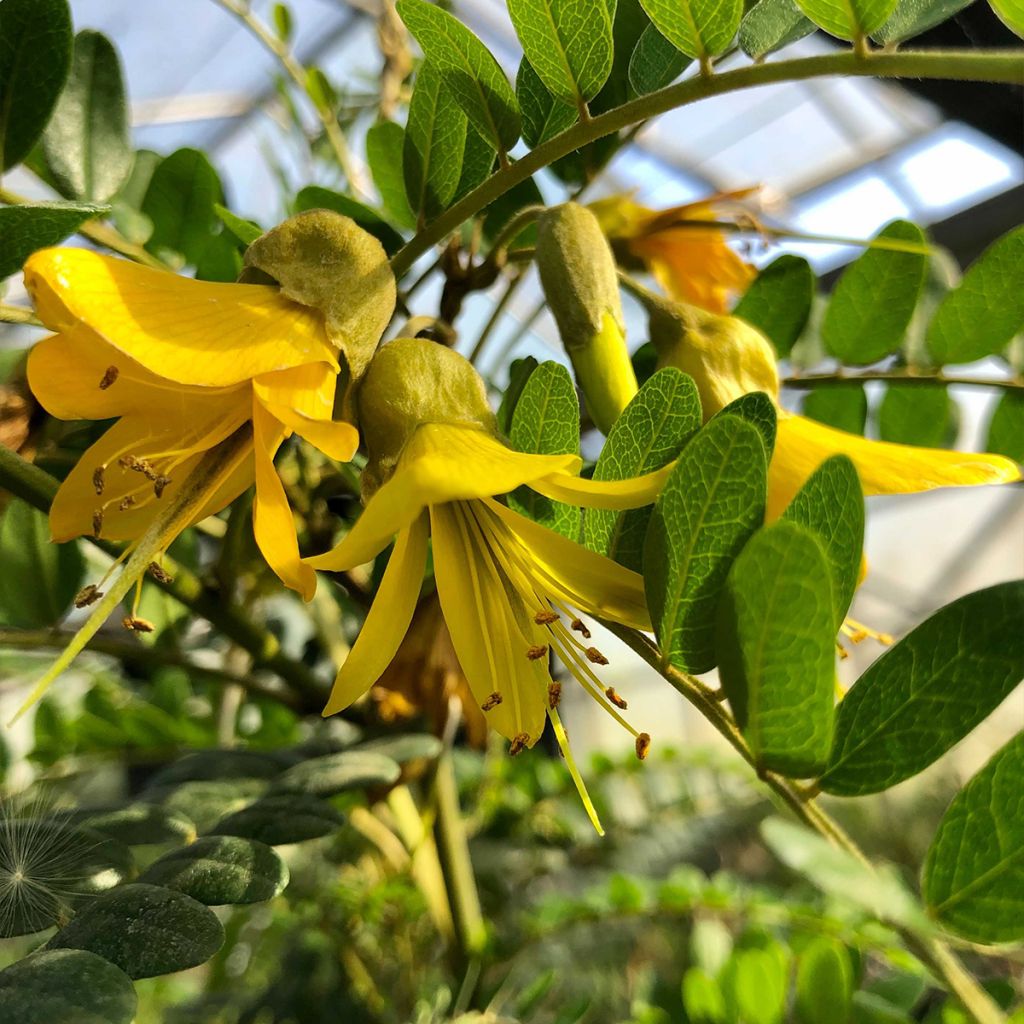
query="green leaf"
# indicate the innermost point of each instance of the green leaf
(702, 998)
(206, 802)
(912, 17)
(824, 983)
(929, 691)
(754, 985)
(26, 229)
(663, 415)
(477, 163)
(546, 421)
(435, 139)
(778, 302)
(698, 28)
(337, 773)
(280, 820)
(832, 505)
(981, 316)
(711, 504)
(878, 889)
(217, 766)
(217, 870)
(769, 26)
(144, 930)
(406, 748)
(314, 197)
(519, 373)
(843, 406)
(468, 68)
(848, 19)
(283, 25)
(180, 202)
(759, 411)
(40, 578)
(776, 644)
(974, 872)
(655, 62)
(873, 302)
(568, 43)
(87, 143)
(544, 116)
(35, 58)
(506, 206)
(245, 231)
(136, 824)
(1006, 428)
(1011, 13)
(385, 144)
(66, 985)
(917, 414)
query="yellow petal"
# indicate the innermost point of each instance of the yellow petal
(486, 635)
(387, 621)
(441, 463)
(190, 435)
(586, 580)
(609, 494)
(884, 468)
(272, 520)
(303, 400)
(195, 332)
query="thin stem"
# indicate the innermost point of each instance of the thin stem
(825, 380)
(98, 232)
(932, 952)
(297, 74)
(966, 65)
(37, 487)
(496, 314)
(18, 315)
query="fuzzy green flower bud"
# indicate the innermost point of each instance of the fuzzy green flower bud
(324, 260)
(577, 271)
(412, 381)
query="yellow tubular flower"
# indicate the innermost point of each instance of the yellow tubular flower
(692, 263)
(182, 365)
(510, 590)
(728, 358)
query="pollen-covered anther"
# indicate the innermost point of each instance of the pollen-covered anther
(595, 656)
(492, 702)
(537, 651)
(519, 744)
(159, 573)
(97, 479)
(109, 376)
(643, 745)
(89, 594)
(160, 485)
(126, 503)
(615, 698)
(545, 617)
(137, 625)
(554, 695)
(97, 522)
(578, 625)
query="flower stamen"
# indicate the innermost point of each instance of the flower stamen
(492, 702)
(554, 695)
(88, 595)
(519, 744)
(545, 617)
(615, 698)
(109, 376)
(97, 479)
(137, 625)
(579, 626)
(643, 745)
(537, 651)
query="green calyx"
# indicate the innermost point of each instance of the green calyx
(326, 261)
(410, 382)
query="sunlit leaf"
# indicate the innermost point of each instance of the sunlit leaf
(778, 302)
(843, 406)
(544, 116)
(698, 28)
(25, 229)
(770, 25)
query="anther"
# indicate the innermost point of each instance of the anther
(159, 573)
(137, 625)
(615, 698)
(537, 651)
(554, 695)
(595, 656)
(643, 745)
(577, 624)
(109, 376)
(545, 617)
(89, 594)
(97, 522)
(159, 485)
(492, 702)
(138, 465)
(519, 744)
(97, 479)
(126, 503)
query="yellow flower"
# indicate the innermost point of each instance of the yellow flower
(510, 589)
(728, 358)
(182, 365)
(692, 263)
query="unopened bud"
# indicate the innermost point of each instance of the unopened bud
(577, 271)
